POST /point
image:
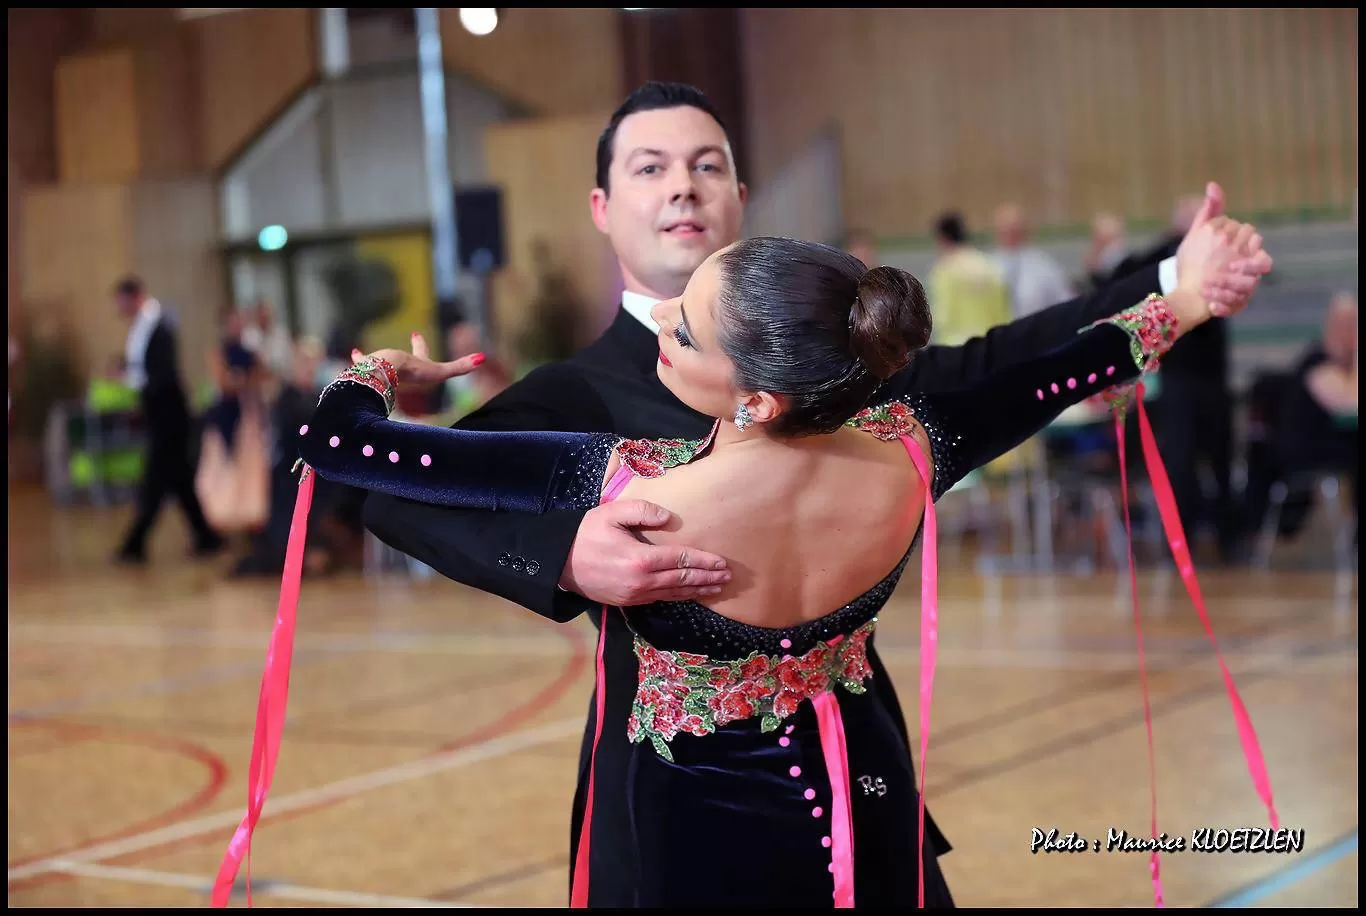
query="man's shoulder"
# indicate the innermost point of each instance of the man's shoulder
(1311, 357)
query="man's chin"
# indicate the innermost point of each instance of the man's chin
(683, 264)
(696, 248)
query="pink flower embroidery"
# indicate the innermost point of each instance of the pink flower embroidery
(686, 692)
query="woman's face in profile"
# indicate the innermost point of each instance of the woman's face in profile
(692, 364)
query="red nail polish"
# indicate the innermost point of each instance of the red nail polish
(477, 359)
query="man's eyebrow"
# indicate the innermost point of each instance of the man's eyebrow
(699, 151)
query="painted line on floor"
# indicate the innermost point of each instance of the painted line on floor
(343, 789)
(264, 888)
(1286, 877)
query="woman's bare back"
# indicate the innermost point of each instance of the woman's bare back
(805, 527)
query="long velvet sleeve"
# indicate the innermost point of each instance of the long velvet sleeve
(940, 368)
(513, 555)
(350, 440)
(971, 426)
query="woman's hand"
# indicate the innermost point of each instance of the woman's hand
(418, 369)
(1223, 262)
(1220, 260)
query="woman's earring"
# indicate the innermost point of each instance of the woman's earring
(742, 417)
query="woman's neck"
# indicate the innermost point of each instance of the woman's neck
(728, 435)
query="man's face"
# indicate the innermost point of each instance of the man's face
(1010, 230)
(674, 198)
(1340, 329)
(127, 306)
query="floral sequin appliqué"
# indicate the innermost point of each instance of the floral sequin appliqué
(1151, 327)
(652, 457)
(886, 421)
(685, 692)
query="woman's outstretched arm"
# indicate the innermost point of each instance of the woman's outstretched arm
(351, 440)
(969, 428)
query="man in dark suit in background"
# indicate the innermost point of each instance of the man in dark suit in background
(667, 195)
(153, 371)
(1193, 415)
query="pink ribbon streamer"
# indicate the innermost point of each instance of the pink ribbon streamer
(270, 708)
(929, 635)
(1153, 865)
(1176, 537)
(831, 726)
(578, 892)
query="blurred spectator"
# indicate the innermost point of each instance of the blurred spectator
(153, 370)
(1108, 248)
(234, 462)
(863, 246)
(1310, 423)
(268, 340)
(1033, 278)
(967, 293)
(292, 408)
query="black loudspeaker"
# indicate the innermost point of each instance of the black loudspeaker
(479, 229)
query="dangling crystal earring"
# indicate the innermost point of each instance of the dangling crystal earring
(742, 417)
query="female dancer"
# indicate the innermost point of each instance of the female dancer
(740, 756)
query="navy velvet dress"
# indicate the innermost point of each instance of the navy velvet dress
(735, 765)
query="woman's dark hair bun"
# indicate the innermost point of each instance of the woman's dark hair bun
(890, 320)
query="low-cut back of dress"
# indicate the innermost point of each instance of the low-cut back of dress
(726, 634)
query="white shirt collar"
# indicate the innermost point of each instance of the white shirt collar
(639, 306)
(135, 351)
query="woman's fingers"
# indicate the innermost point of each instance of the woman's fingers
(462, 366)
(420, 347)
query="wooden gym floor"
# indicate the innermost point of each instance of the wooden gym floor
(433, 732)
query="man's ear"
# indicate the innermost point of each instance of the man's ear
(597, 208)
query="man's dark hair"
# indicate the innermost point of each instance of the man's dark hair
(129, 286)
(950, 228)
(652, 96)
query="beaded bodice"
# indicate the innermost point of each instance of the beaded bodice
(689, 626)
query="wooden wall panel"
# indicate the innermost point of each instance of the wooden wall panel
(1065, 111)
(37, 39)
(696, 46)
(174, 226)
(97, 116)
(76, 241)
(170, 130)
(553, 61)
(545, 169)
(251, 64)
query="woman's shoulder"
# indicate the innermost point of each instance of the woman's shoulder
(907, 418)
(650, 458)
(888, 420)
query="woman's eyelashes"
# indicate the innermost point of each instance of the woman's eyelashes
(681, 336)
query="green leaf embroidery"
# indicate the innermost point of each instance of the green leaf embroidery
(824, 664)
